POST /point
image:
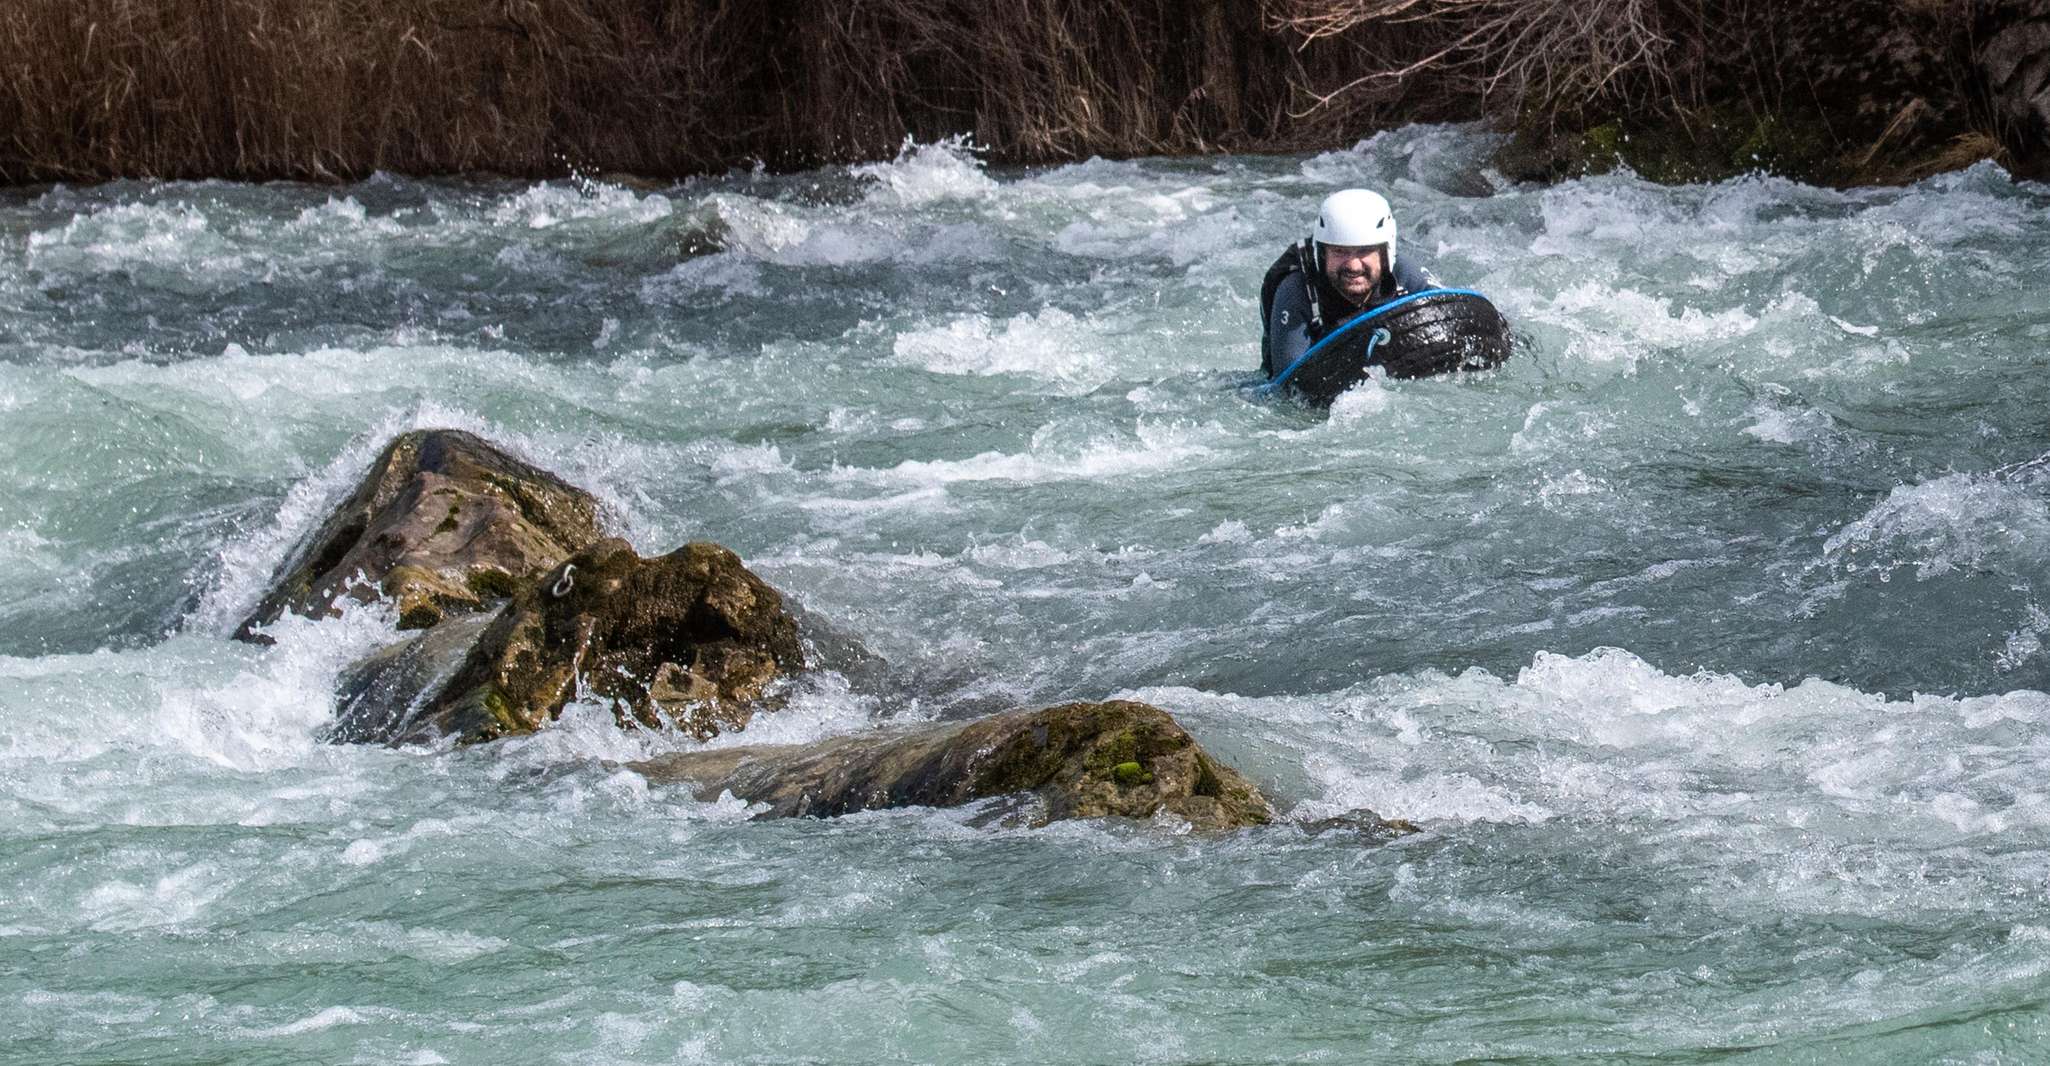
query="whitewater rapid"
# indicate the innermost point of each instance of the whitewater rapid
(1706, 639)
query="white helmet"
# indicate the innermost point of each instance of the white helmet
(1355, 218)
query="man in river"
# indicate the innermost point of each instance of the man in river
(1345, 266)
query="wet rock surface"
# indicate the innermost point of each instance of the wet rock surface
(1885, 94)
(691, 640)
(378, 697)
(443, 524)
(2013, 62)
(1368, 827)
(1078, 760)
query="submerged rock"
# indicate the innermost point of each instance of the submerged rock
(691, 640)
(1365, 825)
(443, 524)
(378, 697)
(1077, 760)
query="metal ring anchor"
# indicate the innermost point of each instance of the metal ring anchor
(565, 583)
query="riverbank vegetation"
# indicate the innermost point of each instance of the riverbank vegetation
(334, 89)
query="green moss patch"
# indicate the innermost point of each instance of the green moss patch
(492, 583)
(423, 614)
(1710, 144)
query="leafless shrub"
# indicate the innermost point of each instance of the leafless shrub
(1515, 55)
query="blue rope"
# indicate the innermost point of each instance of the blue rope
(1380, 336)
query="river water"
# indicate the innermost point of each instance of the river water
(1706, 640)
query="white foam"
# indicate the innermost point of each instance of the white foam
(440, 946)
(1957, 521)
(544, 206)
(949, 169)
(1019, 554)
(248, 562)
(1959, 208)
(1366, 164)
(208, 703)
(1588, 218)
(760, 229)
(100, 1008)
(2026, 642)
(1550, 426)
(815, 707)
(1607, 735)
(1611, 681)
(747, 462)
(324, 1019)
(269, 716)
(1050, 345)
(1648, 321)
(1157, 447)
(1332, 518)
(1229, 531)
(1555, 490)
(1180, 226)
(836, 245)
(930, 500)
(175, 244)
(585, 731)
(1368, 401)
(175, 898)
(124, 232)
(793, 235)
(22, 548)
(1779, 423)
(1337, 788)
(362, 853)
(728, 275)
(343, 220)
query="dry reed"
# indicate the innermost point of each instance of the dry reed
(337, 88)
(328, 89)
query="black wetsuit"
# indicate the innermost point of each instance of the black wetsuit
(1292, 326)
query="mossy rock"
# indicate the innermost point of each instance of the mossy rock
(491, 583)
(1846, 94)
(443, 524)
(1722, 142)
(1116, 758)
(692, 641)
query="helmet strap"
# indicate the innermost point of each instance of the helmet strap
(1313, 277)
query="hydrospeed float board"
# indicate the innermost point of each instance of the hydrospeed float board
(1435, 331)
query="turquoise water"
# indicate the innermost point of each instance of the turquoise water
(1706, 640)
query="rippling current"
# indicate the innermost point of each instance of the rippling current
(1706, 640)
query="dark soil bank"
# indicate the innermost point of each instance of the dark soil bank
(1870, 90)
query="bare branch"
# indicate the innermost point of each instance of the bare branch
(1518, 53)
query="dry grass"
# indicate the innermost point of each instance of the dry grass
(330, 88)
(337, 88)
(327, 89)
(261, 87)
